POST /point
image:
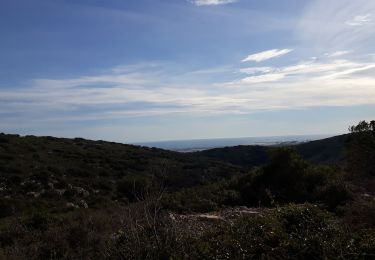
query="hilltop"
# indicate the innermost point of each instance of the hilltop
(328, 151)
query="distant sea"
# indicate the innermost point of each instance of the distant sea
(205, 144)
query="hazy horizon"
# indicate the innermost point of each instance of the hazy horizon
(210, 143)
(166, 141)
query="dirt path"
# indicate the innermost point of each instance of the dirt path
(200, 222)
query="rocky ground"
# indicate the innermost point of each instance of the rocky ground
(200, 222)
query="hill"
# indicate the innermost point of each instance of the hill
(57, 171)
(329, 150)
(81, 199)
(52, 171)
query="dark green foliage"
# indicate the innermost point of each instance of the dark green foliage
(76, 236)
(298, 231)
(202, 198)
(360, 213)
(292, 232)
(334, 194)
(54, 172)
(284, 176)
(249, 156)
(7, 208)
(3, 138)
(327, 151)
(134, 186)
(142, 231)
(38, 221)
(288, 178)
(361, 150)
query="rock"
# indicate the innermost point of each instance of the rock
(81, 192)
(172, 217)
(60, 192)
(71, 205)
(33, 194)
(209, 217)
(83, 204)
(118, 234)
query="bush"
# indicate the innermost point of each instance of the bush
(203, 198)
(291, 232)
(360, 214)
(38, 221)
(299, 231)
(4, 139)
(134, 187)
(335, 194)
(281, 181)
(7, 208)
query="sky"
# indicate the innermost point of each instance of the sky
(149, 70)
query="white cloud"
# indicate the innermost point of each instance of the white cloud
(360, 20)
(266, 55)
(212, 2)
(350, 71)
(307, 70)
(263, 78)
(337, 53)
(256, 70)
(216, 70)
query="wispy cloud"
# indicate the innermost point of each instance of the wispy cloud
(330, 27)
(266, 55)
(145, 92)
(360, 20)
(256, 70)
(337, 54)
(264, 78)
(212, 2)
(332, 69)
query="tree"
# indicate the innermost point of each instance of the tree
(361, 149)
(282, 180)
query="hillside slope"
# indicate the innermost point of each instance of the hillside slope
(329, 150)
(51, 172)
(55, 171)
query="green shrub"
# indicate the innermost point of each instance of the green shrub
(335, 194)
(360, 213)
(134, 187)
(38, 221)
(7, 208)
(282, 180)
(291, 232)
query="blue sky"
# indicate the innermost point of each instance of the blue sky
(149, 70)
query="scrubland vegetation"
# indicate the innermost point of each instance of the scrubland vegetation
(80, 199)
